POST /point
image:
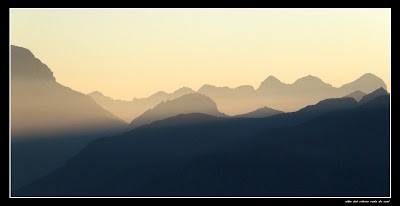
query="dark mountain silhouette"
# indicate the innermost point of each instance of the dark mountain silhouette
(338, 152)
(49, 122)
(357, 95)
(331, 104)
(128, 110)
(189, 103)
(373, 95)
(261, 112)
(183, 119)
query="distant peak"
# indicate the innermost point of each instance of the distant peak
(158, 94)
(367, 83)
(96, 93)
(272, 78)
(207, 86)
(270, 82)
(245, 87)
(308, 78)
(368, 75)
(183, 90)
(193, 95)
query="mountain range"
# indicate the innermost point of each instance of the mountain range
(271, 93)
(302, 139)
(337, 147)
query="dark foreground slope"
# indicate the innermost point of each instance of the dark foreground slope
(343, 152)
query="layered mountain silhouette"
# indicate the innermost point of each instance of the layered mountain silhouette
(189, 103)
(318, 140)
(128, 110)
(337, 147)
(235, 101)
(49, 122)
(286, 97)
(377, 93)
(261, 112)
(357, 95)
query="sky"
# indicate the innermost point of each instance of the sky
(127, 53)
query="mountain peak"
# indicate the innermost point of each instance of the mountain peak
(183, 90)
(308, 78)
(272, 78)
(189, 103)
(270, 82)
(26, 67)
(377, 93)
(357, 95)
(367, 83)
(368, 75)
(96, 93)
(158, 94)
(260, 113)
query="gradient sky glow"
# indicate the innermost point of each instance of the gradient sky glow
(128, 53)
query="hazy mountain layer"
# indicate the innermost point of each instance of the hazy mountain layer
(244, 99)
(337, 147)
(189, 103)
(357, 95)
(129, 110)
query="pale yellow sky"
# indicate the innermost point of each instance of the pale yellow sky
(128, 53)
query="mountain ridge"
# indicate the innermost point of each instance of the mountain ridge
(188, 103)
(243, 98)
(236, 157)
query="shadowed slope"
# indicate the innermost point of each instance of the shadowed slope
(344, 152)
(377, 93)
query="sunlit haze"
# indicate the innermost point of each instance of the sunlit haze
(127, 53)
